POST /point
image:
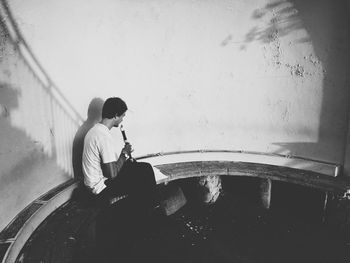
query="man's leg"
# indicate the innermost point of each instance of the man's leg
(115, 222)
(142, 184)
(136, 179)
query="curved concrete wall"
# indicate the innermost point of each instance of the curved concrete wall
(259, 75)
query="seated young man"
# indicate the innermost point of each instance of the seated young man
(107, 173)
(110, 174)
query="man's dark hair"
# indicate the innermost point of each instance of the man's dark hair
(113, 106)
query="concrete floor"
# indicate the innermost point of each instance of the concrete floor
(234, 229)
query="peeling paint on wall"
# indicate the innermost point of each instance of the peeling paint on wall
(296, 70)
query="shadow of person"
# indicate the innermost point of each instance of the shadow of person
(94, 115)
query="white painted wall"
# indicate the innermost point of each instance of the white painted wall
(259, 75)
(249, 75)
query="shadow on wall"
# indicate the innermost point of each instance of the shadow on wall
(43, 111)
(36, 129)
(328, 28)
(94, 115)
(20, 154)
(283, 22)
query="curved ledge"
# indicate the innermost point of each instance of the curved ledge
(308, 164)
(174, 171)
(293, 169)
(176, 165)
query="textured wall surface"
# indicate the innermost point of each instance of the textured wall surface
(257, 75)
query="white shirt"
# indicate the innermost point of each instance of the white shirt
(99, 147)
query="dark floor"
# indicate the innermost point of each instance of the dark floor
(234, 229)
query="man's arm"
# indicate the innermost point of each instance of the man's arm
(111, 170)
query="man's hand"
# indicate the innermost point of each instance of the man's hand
(111, 170)
(127, 150)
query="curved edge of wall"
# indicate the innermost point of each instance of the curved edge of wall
(307, 172)
(294, 162)
(43, 210)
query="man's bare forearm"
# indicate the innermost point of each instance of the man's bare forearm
(118, 165)
(112, 169)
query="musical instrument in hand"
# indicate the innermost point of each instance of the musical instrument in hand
(125, 140)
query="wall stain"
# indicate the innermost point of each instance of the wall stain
(4, 112)
(226, 41)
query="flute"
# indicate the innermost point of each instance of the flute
(125, 139)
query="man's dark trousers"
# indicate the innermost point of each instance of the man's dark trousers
(120, 223)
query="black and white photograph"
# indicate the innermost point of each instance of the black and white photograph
(175, 131)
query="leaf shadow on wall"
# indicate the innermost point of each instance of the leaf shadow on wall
(327, 25)
(283, 19)
(94, 115)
